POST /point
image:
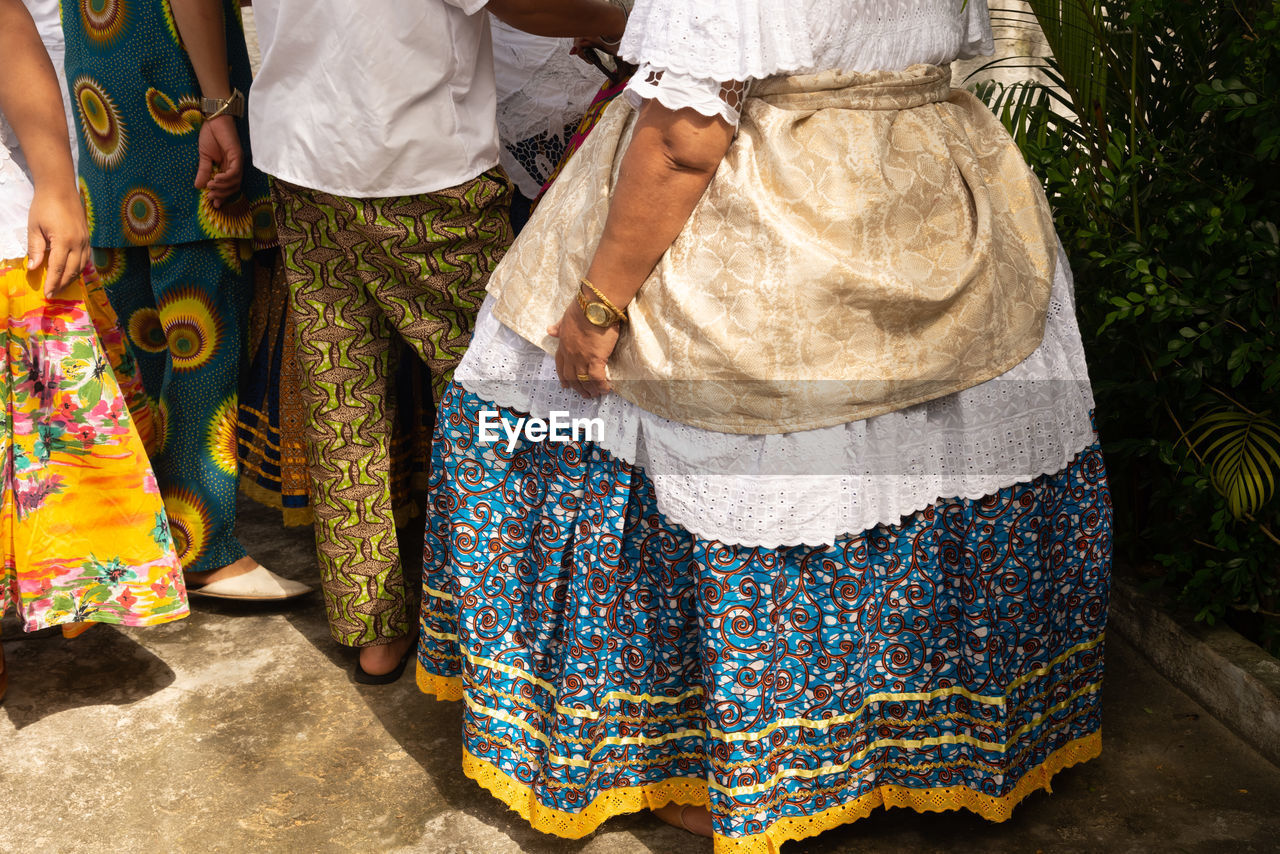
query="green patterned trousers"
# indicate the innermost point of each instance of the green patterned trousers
(360, 271)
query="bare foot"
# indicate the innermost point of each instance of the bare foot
(696, 820)
(231, 570)
(380, 660)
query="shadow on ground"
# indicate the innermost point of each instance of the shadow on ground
(429, 732)
(48, 675)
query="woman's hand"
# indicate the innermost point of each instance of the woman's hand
(219, 146)
(603, 56)
(584, 352)
(57, 235)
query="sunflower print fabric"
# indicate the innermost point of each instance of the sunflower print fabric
(136, 101)
(182, 308)
(610, 661)
(84, 533)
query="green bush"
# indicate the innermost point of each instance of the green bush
(1158, 139)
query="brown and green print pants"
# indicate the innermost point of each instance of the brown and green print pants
(361, 271)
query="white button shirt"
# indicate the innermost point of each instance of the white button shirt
(374, 98)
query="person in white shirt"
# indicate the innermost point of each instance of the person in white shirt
(378, 124)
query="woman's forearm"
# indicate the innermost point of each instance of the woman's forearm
(31, 100)
(204, 36)
(671, 160)
(562, 18)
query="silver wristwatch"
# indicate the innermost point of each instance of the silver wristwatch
(214, 107)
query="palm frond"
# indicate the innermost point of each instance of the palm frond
(1242, 452)
(1029, 110)
(1078, 33)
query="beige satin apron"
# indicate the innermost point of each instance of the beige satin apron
(869, 242)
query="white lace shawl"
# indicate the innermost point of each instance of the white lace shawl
(701, 44)
(542, 93)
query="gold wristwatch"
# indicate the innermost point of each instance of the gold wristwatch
(599, 312)
(214, 107)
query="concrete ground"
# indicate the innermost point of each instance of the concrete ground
(238, 729)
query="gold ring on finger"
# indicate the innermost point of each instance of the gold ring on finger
(582, 378)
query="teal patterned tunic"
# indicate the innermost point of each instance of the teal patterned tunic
(137, 105)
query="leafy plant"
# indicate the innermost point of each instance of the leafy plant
(1156, 128)
(1240, 449)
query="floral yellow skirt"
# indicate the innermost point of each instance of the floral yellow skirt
(82, 527)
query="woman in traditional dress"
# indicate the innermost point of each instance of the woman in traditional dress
(84, 533)
(840, 537)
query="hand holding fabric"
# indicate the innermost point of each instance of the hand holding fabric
(668, 165)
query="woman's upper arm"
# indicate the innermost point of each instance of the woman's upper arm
(690, 140)
(697, 118)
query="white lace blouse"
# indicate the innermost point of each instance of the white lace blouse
(691, 51)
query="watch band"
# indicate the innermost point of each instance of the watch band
(620, 312)
(214, 107)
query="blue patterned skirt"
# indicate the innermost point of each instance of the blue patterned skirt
(610, 661)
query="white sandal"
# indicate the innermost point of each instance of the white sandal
(257, 585)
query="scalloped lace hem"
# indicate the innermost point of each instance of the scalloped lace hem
(569, 825)
(688, 517)
(440, 687)
(942, 799)
(677, 91)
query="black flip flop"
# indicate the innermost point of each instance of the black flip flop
(363, 677)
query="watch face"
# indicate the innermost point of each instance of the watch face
(598, 315)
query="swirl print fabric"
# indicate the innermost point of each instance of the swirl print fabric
(610, 662)
(84, 533)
